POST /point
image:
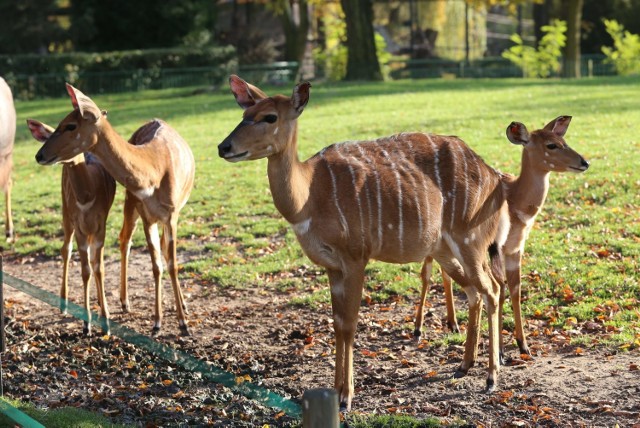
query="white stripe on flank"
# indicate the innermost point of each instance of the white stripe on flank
(378, 195)
(355, 191)
(436, 167)
(334, 191)
(478, 188)
(453, 186)
(409, 166)
(400, 201)
(466, 181)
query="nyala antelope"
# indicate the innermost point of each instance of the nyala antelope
(157, 168)
(544, 151)
(7, 137)
(87, 195)
(397, 199)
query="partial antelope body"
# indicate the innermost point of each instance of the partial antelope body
(397, 199)
(87, 195)
(156, 167)
(544, 151)
(7, 136)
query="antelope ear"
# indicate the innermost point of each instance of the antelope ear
(559, 125)
(300, 97)
(88, 109)
(245, 93)
(517, 133)
(39, 130)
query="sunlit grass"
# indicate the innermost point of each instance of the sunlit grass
(585, 244)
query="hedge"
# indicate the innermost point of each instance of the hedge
(33, 75)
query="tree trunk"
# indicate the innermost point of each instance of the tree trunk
(541, 13)
(362, 61)
(295, 23)
(572, 52)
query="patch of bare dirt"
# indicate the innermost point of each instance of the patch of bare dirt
(260, 336)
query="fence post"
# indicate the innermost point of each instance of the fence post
(320, 408)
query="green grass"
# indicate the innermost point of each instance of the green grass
(64, 417)
(582, 253)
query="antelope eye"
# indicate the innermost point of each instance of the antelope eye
(552, 146)
(270, 118)
(70, 127)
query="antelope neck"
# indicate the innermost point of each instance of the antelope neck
(80, 180)
(532, 185)
(289, 181)
(126, 162)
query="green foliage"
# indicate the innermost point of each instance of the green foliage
(25, 26)
(124, 70)
(388, 421)
(333, 58)
(545, 60)
(625, 53)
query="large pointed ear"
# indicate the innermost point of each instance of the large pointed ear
(245, 93)
(300, 97)
(517, 133)
(88, 109)
(559, 125)
(39, 130)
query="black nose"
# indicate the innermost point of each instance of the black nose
(584, 163)
(39, 157)
(224, 148)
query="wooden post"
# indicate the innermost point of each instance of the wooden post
(320, 408)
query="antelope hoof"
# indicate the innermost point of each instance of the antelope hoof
(417, 333)
(106, 327)
(460, 373)
(86, 330)
(491, 386)
(63, 308)
(524, 349)
(155, 332)
(453, 327)
(502, 360)
(184, 330)
(126, 308)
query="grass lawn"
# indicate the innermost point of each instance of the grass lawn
(581, 260)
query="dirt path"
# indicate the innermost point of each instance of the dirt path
(288, 349)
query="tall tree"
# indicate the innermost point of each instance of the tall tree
(29, 26)
(573, 10)
(294, 15)
(362, 60)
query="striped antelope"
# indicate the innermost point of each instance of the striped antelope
(544, 151)
(156, 167)
(7, 136)
(397, 199)
(87, 195)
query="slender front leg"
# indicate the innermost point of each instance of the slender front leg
(492, 288)
(130, 217)
(97, 263)
(65, 251)
(153, 243)
(512, 262)
(346, 294)
(425, 277)
(473, 330)
(452, 320)
(169, 240)
(86, 278)
(8, 218)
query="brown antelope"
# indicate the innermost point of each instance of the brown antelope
(87, 195)
(156, 167)
(544, 151)
(7, 135)
(397, 199)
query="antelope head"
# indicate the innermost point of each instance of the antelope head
(268, 123)
(76, 133)
(546, 147)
